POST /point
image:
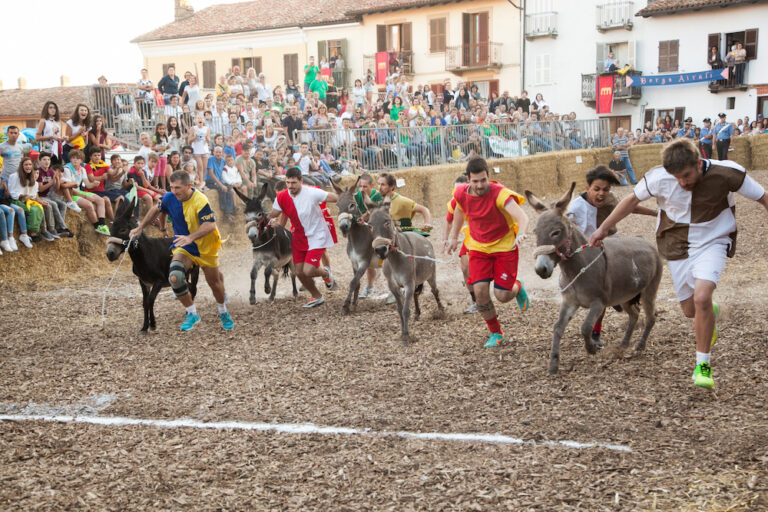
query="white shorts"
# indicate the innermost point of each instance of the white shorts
(706, 263)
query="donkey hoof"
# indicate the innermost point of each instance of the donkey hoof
(252, 299)
(153, 327)
(145, 330)
(591, 348)
(345, 309)
(553, 365)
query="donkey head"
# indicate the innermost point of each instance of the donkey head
(553, 232)
(120, 230)
(255, 216)
(384, 230)
(349, 212)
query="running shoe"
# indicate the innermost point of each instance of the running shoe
(6, 246)
(368, 290)
(14, 245)
(54, 234)
(494, 340)
(36, 238)
(471, 309)
(716, 308)
(226, 321)
(47, 236)
(329, 281)
(314, 302)
(190, 321)
(522, 298)
(103, 230)
(702, 376)
(73, 206)
(65, 233)
(24, 239)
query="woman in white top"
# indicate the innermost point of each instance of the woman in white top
(358, 93)
(175, 139)
(200, 139)
(75, 130)
(539, 103)
(191, 92)
(251, 82)
(270, 134)
(49, 133)
(234, 89)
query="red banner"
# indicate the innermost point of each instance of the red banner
(604, 104)
(382, 67)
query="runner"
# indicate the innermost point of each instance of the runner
(696, 231)
(366, 187)
(497, 226)
(311, 235)
(196, 242)
(463, 253)
(401, 208)
(589, 210)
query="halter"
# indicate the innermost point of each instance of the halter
(557, 249)
(134, 243)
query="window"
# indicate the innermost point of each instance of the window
(730, 103)
(291, 67)
(542, 69)
(748, 38)
(209, 74)
(668, 52)
(648, 117)
(166, 66)
(246, 62)
(437, 35)
(393, 37)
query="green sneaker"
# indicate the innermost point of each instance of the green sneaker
(103, 230)
(190, 321)
(495, 340)
(702, 376)
(716, 308)
(226, 321)
(522, 298)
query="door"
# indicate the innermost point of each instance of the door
(762, 106)
(617, 122)
(291, 67)
(679, 115)
(648, 117)
(209, 74)
(479, 39)
(466, 34)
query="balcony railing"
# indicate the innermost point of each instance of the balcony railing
(543, 24)
(615, 15)
(402, 59)
(620, 89)
(472, 56)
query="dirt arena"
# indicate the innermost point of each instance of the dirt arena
(609, 432)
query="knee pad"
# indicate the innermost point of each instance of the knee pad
(179, 271)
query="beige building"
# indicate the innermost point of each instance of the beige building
(474, 41)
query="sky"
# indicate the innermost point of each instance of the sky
(33, 29)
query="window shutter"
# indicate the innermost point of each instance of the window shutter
(381, 38)
(465, 37)
(493, 87)
(209, 74)
(166, 66)
(257, 64)
(322, 50)
(679, 114)
(546, 74)
(235, 62)
(602, 54)
(673, 53)
(648, 117)
(750, 43)
(663, 56)
(343, 49)
(432, 36)
(713, 40)
(405, 43)
(441, 39)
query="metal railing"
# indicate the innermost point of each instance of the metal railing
(397, 147)
(541, 24)
(620, 89)
(403, 59)
(472, 56)
(614, 15)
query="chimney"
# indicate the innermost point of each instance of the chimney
(182, 10)
(64, 80)
(22, 82)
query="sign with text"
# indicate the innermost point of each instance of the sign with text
(710, 75)
(604, 103)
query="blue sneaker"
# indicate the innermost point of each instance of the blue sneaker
(226, 321)
(494, 340)
(522, 298)
(190, 321)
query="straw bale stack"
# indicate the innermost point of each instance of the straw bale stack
(645, 157)
(759, 151)
(573, 166)
(741, 153)
(603, 156)
(538, 173)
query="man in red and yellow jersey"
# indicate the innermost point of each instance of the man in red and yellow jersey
(464, 252)
(497, 226)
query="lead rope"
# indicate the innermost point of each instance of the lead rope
(104, 296)
(583, 269)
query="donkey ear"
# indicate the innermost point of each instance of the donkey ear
(126, 208)
(535, 202)
(354, 187)
(337, 188)
(242, 196)
(562, 203)
(264, 190)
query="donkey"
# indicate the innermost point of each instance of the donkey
(271, 246)
(151, 260)
(359, 241)
(629, 267)
(401, 269)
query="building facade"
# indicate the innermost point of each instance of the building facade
(567, 44)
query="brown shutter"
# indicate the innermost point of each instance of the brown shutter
(663, 55)
(405, 42)
(381, 39)
(750, 43)
(679, 115)
(648, 117)
(209, 74)
(166, 66)
(442, 42)
(235, 62)
(287, 75)
(673, 53)
(483, 37)
(433, 35)
(257, 64)
(466, 24)
(713, 40)
(493, 87)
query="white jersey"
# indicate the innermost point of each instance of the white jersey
(587, 217)
(310, 216)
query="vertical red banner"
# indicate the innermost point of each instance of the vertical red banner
(604, 103)
(382, 67)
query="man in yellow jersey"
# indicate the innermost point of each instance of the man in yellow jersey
(196, 242)
(401, 209)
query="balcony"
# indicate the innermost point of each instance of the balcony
(620, 90)
(543, 24)
(615, 15)
(470, 57)
(403, 58)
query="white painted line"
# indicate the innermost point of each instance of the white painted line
(303, 428)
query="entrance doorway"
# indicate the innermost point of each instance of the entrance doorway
(620, 121)
(762, 106)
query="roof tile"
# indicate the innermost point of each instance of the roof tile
(666, 7)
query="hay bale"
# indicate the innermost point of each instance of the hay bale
(538, 173)
(603, 156)
(741, 153)
(573, 166)
(758, 146)
(645, 157)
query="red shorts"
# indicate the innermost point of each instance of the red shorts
(142, 193)
(499, 267)
(463, 250)
(312, 256)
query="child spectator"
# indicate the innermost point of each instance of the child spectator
(229, 149)
(144, 189)
(72, 182)
(96, 171)
(24, 193)
(11, 211)
(113, 185)
(48, 182)
(231, 178)
(160, 147)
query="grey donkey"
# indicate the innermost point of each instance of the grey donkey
(359, 241)
(402, 271)
(628, 270)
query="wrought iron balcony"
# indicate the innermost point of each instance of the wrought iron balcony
(468, 57)
(543, 24)
(620, 89)
(615, 15)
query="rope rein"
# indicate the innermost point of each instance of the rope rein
(583, 269)
(127, 244)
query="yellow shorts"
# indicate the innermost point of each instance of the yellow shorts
(204, 260)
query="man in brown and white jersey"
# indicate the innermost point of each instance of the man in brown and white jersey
(696, 231)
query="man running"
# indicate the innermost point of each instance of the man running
(311, 235)
(463, 252)
(695, 233)
(401, 209)
(196, 242)
(497, 226)
(366, 190)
